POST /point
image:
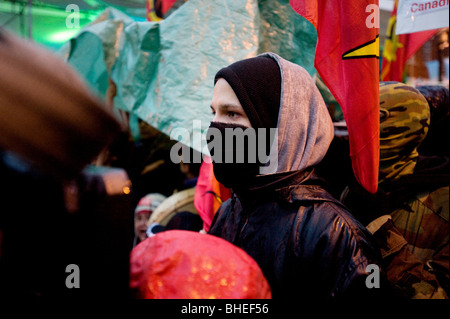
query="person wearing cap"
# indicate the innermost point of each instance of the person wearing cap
(145, 207)
(307, 244)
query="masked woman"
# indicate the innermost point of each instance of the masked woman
(306, 242)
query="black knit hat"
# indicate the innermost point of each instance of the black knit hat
(257, 84)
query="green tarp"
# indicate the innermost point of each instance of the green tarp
(164, 70)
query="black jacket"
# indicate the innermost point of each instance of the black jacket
(305, 241)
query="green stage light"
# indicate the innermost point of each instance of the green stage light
(62, 36)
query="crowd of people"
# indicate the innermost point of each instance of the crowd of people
(301, 229)
(310, 217)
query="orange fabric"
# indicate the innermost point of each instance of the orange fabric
(308, 9)
(209, 194)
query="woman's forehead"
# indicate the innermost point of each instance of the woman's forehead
(223, 95)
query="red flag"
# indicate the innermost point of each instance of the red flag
(347, 56)
(399, 48)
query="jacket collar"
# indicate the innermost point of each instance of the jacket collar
(291, 187)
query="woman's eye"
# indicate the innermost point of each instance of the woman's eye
(232, 114)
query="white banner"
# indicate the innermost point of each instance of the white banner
(421, 15)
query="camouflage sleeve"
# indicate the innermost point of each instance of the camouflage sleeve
(406, 274)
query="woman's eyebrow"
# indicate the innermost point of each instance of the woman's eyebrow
(229, 106)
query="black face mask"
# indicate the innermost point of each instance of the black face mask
(234, 152)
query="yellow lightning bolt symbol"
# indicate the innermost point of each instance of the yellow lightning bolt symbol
(370, 49)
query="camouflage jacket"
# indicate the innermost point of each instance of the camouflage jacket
(414, 242)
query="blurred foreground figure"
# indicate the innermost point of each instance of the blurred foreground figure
(65, 229)
(47, 114)
(179, 264)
